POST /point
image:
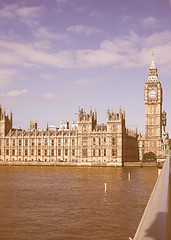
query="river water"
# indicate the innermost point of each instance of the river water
(70, 203)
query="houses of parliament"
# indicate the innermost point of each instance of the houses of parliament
(87, 142)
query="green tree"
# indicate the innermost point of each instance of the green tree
(149, 157)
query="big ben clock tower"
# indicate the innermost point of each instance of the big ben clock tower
(153, 111)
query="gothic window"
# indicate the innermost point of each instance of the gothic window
(84, 128)
(73, 142)
(32, 152)
(99, 141)
(105, 140)
(104, 152)
(19, 142)
(114, 152)
(26, 152)
(114, 142)
(45, 142)
(73, 152)
(39, 141)
(19, 152)
(59, 142)
(13, 152)
(39, 152)
(84, 152)
(45, 152)
(66, 152)
(94, 141)
(84, 141)
(13, 142)
(66, 142)
(26, 142)
(99, 152)
(94, 152)
(7, 142)
(52, 152)
(59, 152)
(32, 142)
(52, 142)
(7, 151)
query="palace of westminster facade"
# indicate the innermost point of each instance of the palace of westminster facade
(88, 143)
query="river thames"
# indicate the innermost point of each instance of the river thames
(70, 203)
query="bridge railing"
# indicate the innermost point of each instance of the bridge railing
(156, 220)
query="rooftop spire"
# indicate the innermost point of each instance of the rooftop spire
(153, 68)
(153, 64)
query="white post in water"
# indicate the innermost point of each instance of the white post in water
(129, 176)
(105, 187)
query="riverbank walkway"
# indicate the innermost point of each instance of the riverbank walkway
(156, 220)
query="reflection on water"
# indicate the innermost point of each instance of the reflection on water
(59, 203)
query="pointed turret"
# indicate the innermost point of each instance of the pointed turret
(153, 67)
(120, 110)
(11, 115)
(153, 64)
(123, 113)
(87, 121)
(90, 111)
(108, 113)
(95, 112)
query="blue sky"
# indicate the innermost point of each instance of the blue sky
(57, 55)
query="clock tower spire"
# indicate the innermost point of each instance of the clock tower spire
(153, 68)
(153, 111)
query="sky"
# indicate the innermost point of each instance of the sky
(57, 55)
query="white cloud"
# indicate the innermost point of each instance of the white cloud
(49, 95)
(14, 93)
(150, 22)
(84, 81)
(130, 51)
(125, 18)
(81, 9)
(62, 1)
(42, 44)
(6, 76)
(95, 14)
(8, 11)
(25, 55)
(61, 4)
(27, 15)
(29, 12)
(43, 33)
(87, 30)
(57, 98)
(49, 76)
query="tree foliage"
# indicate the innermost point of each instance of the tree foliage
(149, 157)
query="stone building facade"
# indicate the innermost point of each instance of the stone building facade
(87, 143)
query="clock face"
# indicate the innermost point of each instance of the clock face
(152, 94)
